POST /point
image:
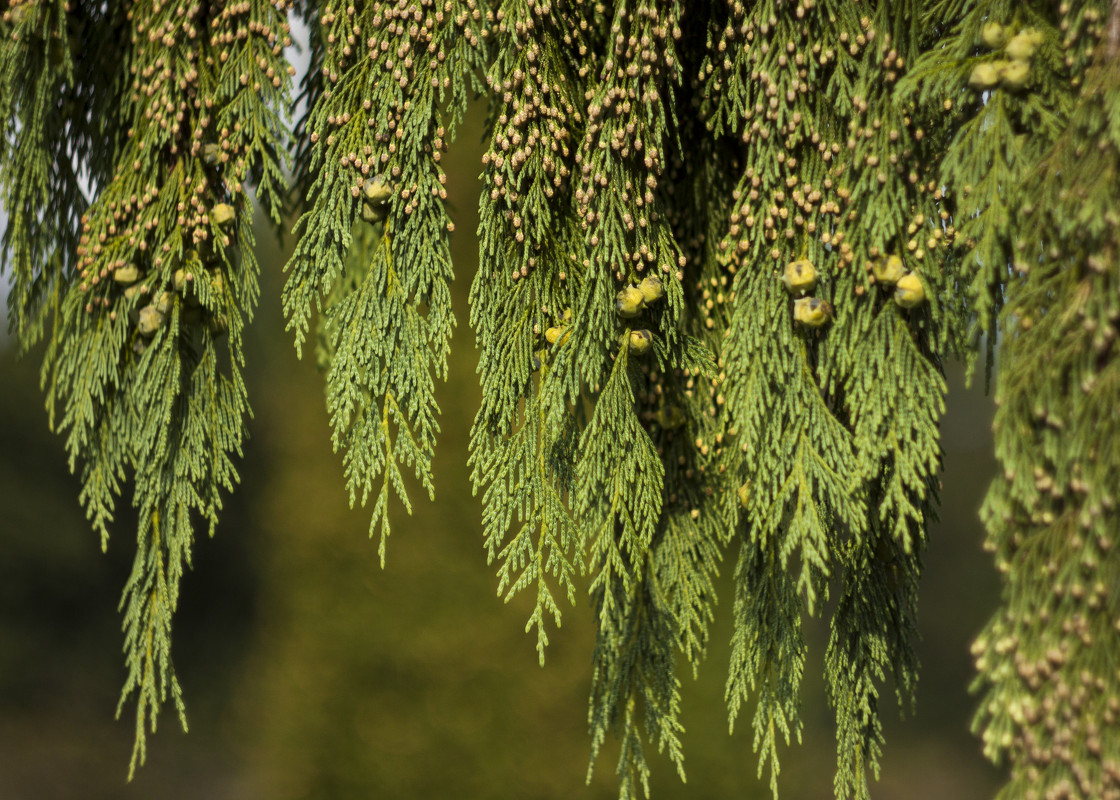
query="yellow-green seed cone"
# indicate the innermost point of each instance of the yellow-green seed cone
(1015, 74)
(373, 214)
(800, 276)
(150, 321)
(812, 312)
(640, 342)
(986, 75)
(651, 289)
(888, 270)
(557, 334)
(377, 190)
(126, 275)
(909, 292)
(630, 302)
(1024, 44)
(993, 35)
(219, 324)
(163, 303)
(222, 214)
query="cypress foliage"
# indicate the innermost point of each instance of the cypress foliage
(392, 84)
(1031, 165)
(1051, 692)
(148, 303)
(725, 250)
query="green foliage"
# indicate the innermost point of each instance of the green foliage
(143, 365)
(991, 140)
(524, 437)
(900, 156)
(384, 329)
(1047, 658)
(1030, 172)
(47, 121)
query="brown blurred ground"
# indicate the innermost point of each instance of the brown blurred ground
(311, 673)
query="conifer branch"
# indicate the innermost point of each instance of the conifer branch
(725, 249)
(531, 269)
(1048, 704)
(385, 308)
(146, 349)
(42, 130)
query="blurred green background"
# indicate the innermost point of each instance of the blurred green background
(309, 672)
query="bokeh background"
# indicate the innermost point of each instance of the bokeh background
(311, 673)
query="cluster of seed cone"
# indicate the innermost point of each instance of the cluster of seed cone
(800, 278)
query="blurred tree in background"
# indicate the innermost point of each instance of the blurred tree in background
(725, 253)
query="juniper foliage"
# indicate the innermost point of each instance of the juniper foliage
(168, 111)
(1036, 196)
(725, 250)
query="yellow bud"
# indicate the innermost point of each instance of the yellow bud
(651, 289)
(744, 493)
(150, 321)
(888, 270)
(1023, 45)
(812, 312)
(163, 303)
(567, 315)
(1014, 74)
(126, 275)
(909, 292)
(222, 214)
(985, 75)
(800, 276)
(640, 341)
(377, 190)
(557, 334)
(993, 35)
(630, 302)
